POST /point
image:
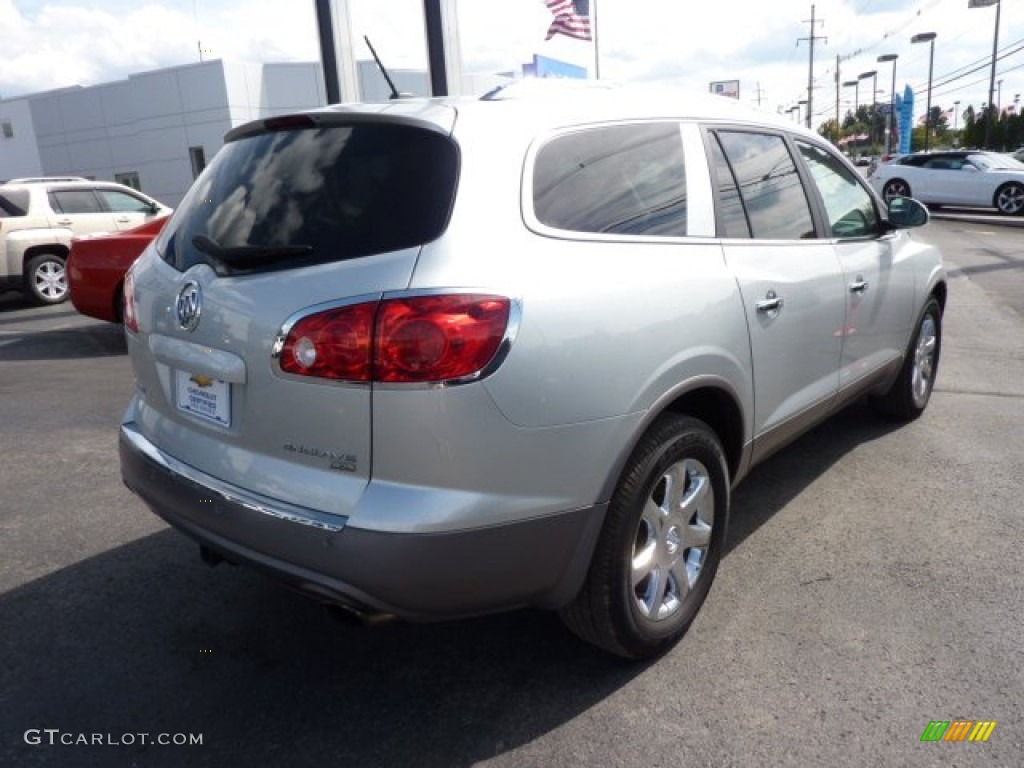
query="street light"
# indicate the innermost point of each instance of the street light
(956, 114)
(856, 96)
(873, 74)
(892, 97)
(927, 37)
(992, 76)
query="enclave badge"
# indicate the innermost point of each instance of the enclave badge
(189, 305)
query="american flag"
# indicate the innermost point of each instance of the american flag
(572, 18)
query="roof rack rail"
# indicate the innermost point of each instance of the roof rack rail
(45, 179)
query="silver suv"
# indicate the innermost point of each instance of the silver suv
(40, 216)
(439, 358)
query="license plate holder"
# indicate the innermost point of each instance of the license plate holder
(204, 397)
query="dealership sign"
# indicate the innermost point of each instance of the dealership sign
(730, 88)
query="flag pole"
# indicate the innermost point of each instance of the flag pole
(593, 32)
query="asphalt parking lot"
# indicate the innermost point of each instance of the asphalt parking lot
(874, 582)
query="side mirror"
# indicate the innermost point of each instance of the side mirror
(907, 213)
(969, 167)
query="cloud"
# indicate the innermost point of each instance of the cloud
(47, 45)
(65, 45)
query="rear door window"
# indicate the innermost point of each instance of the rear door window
(774, 199)
(75, 201)
(621, 179)
(309, 195)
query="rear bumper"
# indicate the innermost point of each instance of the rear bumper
(423, 576)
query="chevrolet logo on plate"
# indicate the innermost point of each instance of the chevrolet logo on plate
(201, 381)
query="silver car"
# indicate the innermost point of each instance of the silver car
(438, 358)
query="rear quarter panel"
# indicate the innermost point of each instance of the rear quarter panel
(609, 328)
(96, 270)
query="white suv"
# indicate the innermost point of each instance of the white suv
(40, 216)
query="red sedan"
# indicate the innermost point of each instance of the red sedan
(97, 264)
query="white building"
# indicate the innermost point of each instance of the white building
(157, 130)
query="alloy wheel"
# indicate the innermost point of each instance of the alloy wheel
(672, 539)
(51, 280)
(923, 372)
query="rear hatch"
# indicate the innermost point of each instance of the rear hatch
(294, 215)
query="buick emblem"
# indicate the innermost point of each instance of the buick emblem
(190, 305)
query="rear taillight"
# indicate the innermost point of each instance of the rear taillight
(128, 309)
(416, 339)
(331, 345)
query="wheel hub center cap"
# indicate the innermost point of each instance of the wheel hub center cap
(672, 540)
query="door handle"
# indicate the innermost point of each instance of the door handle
(770, 304)
(123, 220)
(859, 285)
(64, 222)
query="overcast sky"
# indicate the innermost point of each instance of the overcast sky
(46, 45)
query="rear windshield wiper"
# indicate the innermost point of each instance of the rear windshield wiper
(246, 256)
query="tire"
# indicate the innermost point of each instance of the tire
(46, 279)
(1009, 199)
(895, 188)
(910, 393)
(661, 543)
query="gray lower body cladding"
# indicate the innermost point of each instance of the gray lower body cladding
(415, 576)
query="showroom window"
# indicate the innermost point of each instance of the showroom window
(129, 179)
(197, 155)
(6, 129)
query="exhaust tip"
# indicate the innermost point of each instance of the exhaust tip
(353, 615)
(210, 557)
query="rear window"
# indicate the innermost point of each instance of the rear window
(13, 202)
(293, 198)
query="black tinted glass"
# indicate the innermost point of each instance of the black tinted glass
(732, 216)
(13, 203)
(299, 197)
(75, 201)
(776, 203)
(624, 179)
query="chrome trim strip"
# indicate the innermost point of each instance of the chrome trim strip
(230, 494)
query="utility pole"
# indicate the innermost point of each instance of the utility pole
(837, 101)
(810, 67)
(760, 93)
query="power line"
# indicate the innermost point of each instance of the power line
(976, 67)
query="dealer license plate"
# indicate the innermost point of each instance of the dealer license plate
(203, 396)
